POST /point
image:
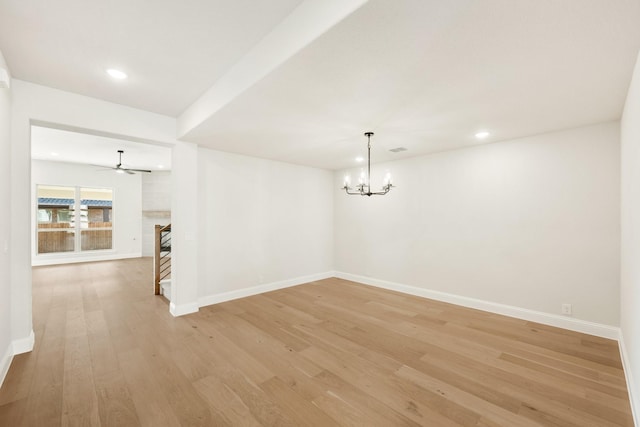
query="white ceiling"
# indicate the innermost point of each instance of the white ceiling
(171, 50)
(422, 74)
(58, 145)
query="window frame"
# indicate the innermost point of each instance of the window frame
(77, 227)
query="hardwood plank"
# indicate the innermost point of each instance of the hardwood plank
(79, 401)
(261, 405)
(115, 405)
(532, 394)
(349, 407)
(227, 353)
(13, 413)
(405, 398)
(44, 400)
(151, 403)
(300, 409)
(228, 406)
(18, 380)
(331, 352)
(491, 412)
(284, 363)
(183, 399)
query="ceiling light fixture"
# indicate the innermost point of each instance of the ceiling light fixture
(120, 169)
(117, 74)
(482, 135)
(359, 159)
(364, 182)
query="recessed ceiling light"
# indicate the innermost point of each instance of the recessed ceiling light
(482, 134)
(116, 74)
(359, 159)
(54, 154)
(160, 166)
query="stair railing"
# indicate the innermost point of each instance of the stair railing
(162, 259)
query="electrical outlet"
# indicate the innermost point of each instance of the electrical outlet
(566, 309)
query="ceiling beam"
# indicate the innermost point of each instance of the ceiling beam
(308, 21)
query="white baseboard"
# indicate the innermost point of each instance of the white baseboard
(182, 309)
(255, 290)
(165, 288)
(634, 395)
(577, 325)
(5, 363)
(24, 345)
(19, 346)
(40, 260)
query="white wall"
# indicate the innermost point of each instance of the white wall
(531, 223)
(6, 350)
(630, 247)
(127, 208)
(156, 207)
(184, 229)
(261, 222)
(35, 104)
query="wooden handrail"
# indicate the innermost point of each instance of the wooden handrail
(162, 258)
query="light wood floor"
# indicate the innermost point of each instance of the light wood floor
(326, 353)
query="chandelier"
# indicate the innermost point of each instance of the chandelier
(364, 184)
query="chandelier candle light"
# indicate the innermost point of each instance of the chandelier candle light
(364, 182)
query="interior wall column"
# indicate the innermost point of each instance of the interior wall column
(184, 233)
(20, 253)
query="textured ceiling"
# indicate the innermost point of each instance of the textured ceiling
(262, 79)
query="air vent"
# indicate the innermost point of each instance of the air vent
(397, 150)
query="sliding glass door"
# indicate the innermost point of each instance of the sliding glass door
(74, 219)
(55, 213)
(97, 227)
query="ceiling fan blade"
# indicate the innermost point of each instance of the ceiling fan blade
(137, 170)
(104, 168)
(118, 168)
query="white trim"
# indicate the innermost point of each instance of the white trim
(89, 258)
(577, 325)
(182, 309)
(5, 363)
(19, 346)
(626, 366)
(24, 345)
(165, 288)
(255, 290)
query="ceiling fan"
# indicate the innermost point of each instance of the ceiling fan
(119, 169)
